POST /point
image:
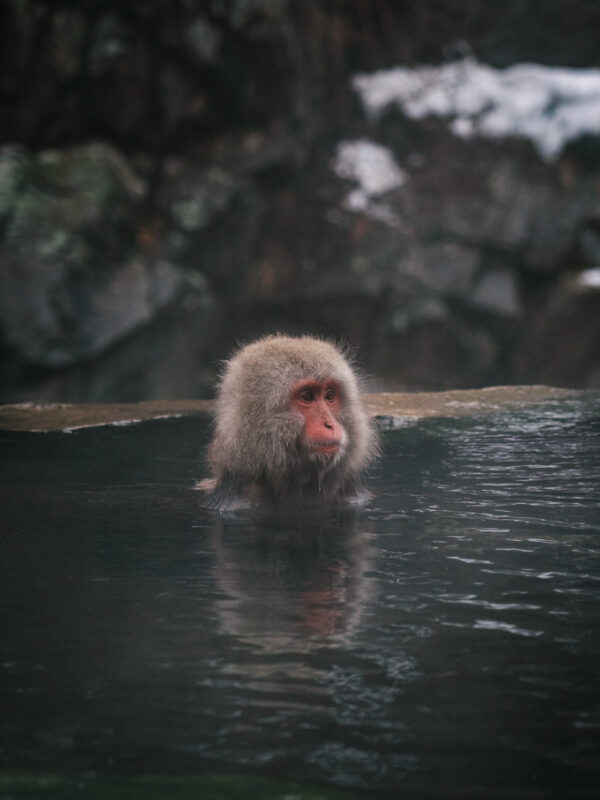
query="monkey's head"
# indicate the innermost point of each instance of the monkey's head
(289, 420)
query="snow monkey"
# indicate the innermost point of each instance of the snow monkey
(290, 427)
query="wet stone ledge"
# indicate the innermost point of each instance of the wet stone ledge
(390, 409)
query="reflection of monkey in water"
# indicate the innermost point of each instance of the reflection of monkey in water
(290, 426)
(278, 589)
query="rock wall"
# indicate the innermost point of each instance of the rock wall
(176, 177)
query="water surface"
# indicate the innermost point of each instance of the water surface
(444, 642)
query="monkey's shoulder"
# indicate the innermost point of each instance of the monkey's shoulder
(225, 495)
(222, 495)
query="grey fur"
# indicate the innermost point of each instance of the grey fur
(255, 455)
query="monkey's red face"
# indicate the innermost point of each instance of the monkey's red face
(319, 404)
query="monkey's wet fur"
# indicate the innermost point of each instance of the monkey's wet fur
(290, 428)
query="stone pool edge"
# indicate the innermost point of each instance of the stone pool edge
(391, 409)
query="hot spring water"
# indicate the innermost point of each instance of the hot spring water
(442, 642)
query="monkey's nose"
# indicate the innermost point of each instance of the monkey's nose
(328, 425)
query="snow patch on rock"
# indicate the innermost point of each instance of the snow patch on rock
(375, 171)
(549, 106)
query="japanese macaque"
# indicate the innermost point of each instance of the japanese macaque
(290, 427)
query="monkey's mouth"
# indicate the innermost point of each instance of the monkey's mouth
(326, 447)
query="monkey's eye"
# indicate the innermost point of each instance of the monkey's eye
(330, 395)
(307, 396)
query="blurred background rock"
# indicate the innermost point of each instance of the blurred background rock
(180, 176)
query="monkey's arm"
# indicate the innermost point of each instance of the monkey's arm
(222, 495)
